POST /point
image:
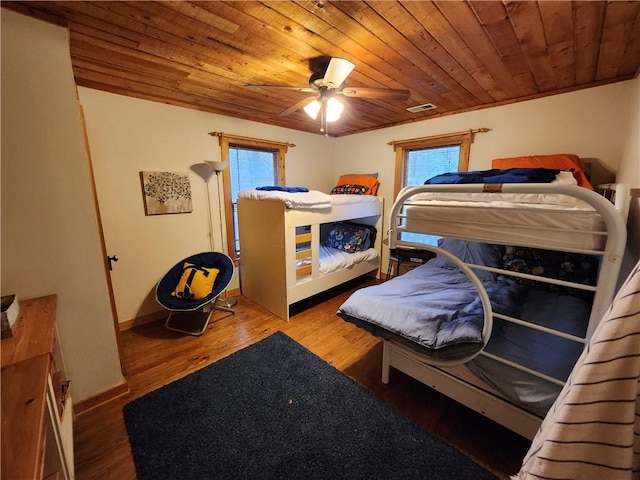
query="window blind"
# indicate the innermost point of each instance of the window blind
(424, 163)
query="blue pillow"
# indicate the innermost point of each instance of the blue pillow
(350, 237)
(485, 254)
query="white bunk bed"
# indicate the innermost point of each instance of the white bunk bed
(283, 260)
(578, 221)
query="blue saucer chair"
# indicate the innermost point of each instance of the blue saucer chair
(189, 315)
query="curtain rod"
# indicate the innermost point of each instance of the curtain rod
(249, 139)
(444, 135)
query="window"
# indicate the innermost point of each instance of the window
(249, 168)
(423, 163)
(252, 163)
(419, 159)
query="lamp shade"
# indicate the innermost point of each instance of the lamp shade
(313, 108)
(217, 166)
(334, 109)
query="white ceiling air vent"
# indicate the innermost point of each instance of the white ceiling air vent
(422, 108)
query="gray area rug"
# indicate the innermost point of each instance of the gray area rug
(274, 410)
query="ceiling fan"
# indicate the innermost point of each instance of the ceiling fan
(327, 82)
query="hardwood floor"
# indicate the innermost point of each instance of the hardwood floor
(155, 356)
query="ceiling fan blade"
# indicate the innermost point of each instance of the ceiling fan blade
(384, 93)
(281, 87)
(337, 72)
(297, 106)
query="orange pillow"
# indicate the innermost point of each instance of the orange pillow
(559, 161)
(366, 180)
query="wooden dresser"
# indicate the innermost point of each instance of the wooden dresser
(37, 412)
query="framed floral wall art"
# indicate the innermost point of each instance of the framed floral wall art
(166, 192)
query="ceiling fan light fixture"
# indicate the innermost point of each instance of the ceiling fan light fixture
(312, 109)
(326, 81)
(334, 109)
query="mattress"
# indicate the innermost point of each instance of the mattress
(310, 200)
(508, 223)
(388, 312)
(351, 199)
(332, 260)
(550, 355)
(562, 220)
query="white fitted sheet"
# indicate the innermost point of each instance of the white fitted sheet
(332, 259)
(338, 199)
(561, 225)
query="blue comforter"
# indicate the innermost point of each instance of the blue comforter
(435, 308)
(282, 188)
(496, 175)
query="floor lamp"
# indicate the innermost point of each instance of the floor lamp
(218, 167)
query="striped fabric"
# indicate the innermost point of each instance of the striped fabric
(592, 431)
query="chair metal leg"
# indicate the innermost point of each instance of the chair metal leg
(224, 308)
(225, 302)
(192, 323)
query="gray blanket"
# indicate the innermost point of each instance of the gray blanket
(435, 310)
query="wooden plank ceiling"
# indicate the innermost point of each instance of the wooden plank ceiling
(457, 55)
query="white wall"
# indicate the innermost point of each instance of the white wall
(50, 242)
(127, 136)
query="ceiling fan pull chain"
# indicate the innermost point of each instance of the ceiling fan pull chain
(323, 117)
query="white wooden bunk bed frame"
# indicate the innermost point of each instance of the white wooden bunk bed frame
(452, 378)
(273, 238)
